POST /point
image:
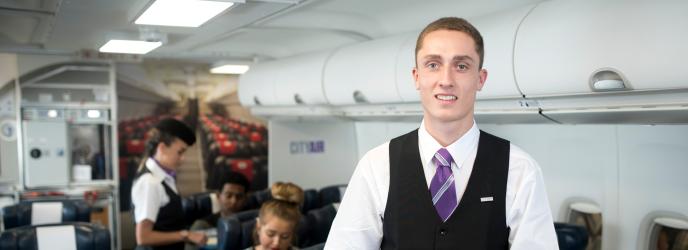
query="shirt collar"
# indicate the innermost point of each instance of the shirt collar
(158, 171)
(459, 149)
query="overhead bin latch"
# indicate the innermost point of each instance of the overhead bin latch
(608, 79)
(359, 97)
(298, 99)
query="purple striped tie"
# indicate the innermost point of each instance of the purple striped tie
(442, 187)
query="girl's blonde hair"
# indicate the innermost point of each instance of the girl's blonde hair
(285, 204)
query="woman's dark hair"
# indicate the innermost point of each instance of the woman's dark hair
(155, 137)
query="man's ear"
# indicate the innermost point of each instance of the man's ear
(414, 72)
(483, 78)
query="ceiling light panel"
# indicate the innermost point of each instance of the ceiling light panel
(129, 46)
(181, 13)
(229, 69)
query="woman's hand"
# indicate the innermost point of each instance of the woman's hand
(197, 238)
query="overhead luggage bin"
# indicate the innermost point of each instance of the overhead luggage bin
(582, 47)
(365, 72)
(406, 61)
(600, 62)
(257, 85)
(499, 31)
(299, 80)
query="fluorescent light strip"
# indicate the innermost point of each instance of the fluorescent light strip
(182, 13)
(129, 46)
(229, 69)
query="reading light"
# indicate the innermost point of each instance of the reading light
(182, 13)
(229, 69)
(129, 46)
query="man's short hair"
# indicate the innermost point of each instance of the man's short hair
(232, 177)
(455, 24)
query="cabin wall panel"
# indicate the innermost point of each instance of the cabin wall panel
(292, 159)
(653, 173)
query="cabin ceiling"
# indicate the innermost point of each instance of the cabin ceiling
(254, 30)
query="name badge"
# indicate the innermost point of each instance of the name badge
(486, 199)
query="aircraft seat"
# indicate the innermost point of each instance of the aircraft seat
(570, 236)
(199, 205)
(73, 235)
(331, 194)
(310, 200)
(45, 212)
(319, 221)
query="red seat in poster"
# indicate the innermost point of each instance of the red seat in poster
(243, 166)
(227, 147)
(135, 147)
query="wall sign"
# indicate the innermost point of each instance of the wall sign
(307, 147)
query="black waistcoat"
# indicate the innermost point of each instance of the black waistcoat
(411, 221)
(170, 217)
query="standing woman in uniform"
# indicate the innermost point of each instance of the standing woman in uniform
(157, 204)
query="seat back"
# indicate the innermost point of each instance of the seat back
(229, 233)
(331, 194)
(83, 236)
(319, 246)
(310, 200)
(570, 236)
(320, 221)
(199, 205)
(256, 199)
(247, 215)
(42, 212)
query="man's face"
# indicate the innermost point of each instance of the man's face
(447, 75)
(232, 197)
(172, 155)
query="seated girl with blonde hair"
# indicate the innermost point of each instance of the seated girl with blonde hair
(278, 218)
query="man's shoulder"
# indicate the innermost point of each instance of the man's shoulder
(521, 161)
(377, 152)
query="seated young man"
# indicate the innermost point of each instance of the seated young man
(231, 193)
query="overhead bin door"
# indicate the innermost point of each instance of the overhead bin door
(364, 72)
(256, 87)
(498, 31)
(299, 79)
(562, 44)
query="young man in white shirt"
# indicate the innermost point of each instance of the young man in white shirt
(446, 185)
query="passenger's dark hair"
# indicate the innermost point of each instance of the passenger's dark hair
(231, 177)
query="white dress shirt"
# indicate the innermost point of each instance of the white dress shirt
(358, 224)
(148, 195)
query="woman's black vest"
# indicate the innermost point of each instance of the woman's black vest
(479, 222)
(170, 217)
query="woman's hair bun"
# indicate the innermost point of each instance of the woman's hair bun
(288, 192)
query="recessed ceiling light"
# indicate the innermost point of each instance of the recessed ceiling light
(129, 46)
(229, 69)
(182, 13)
(92, 113)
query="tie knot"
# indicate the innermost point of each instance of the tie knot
(443, 157)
